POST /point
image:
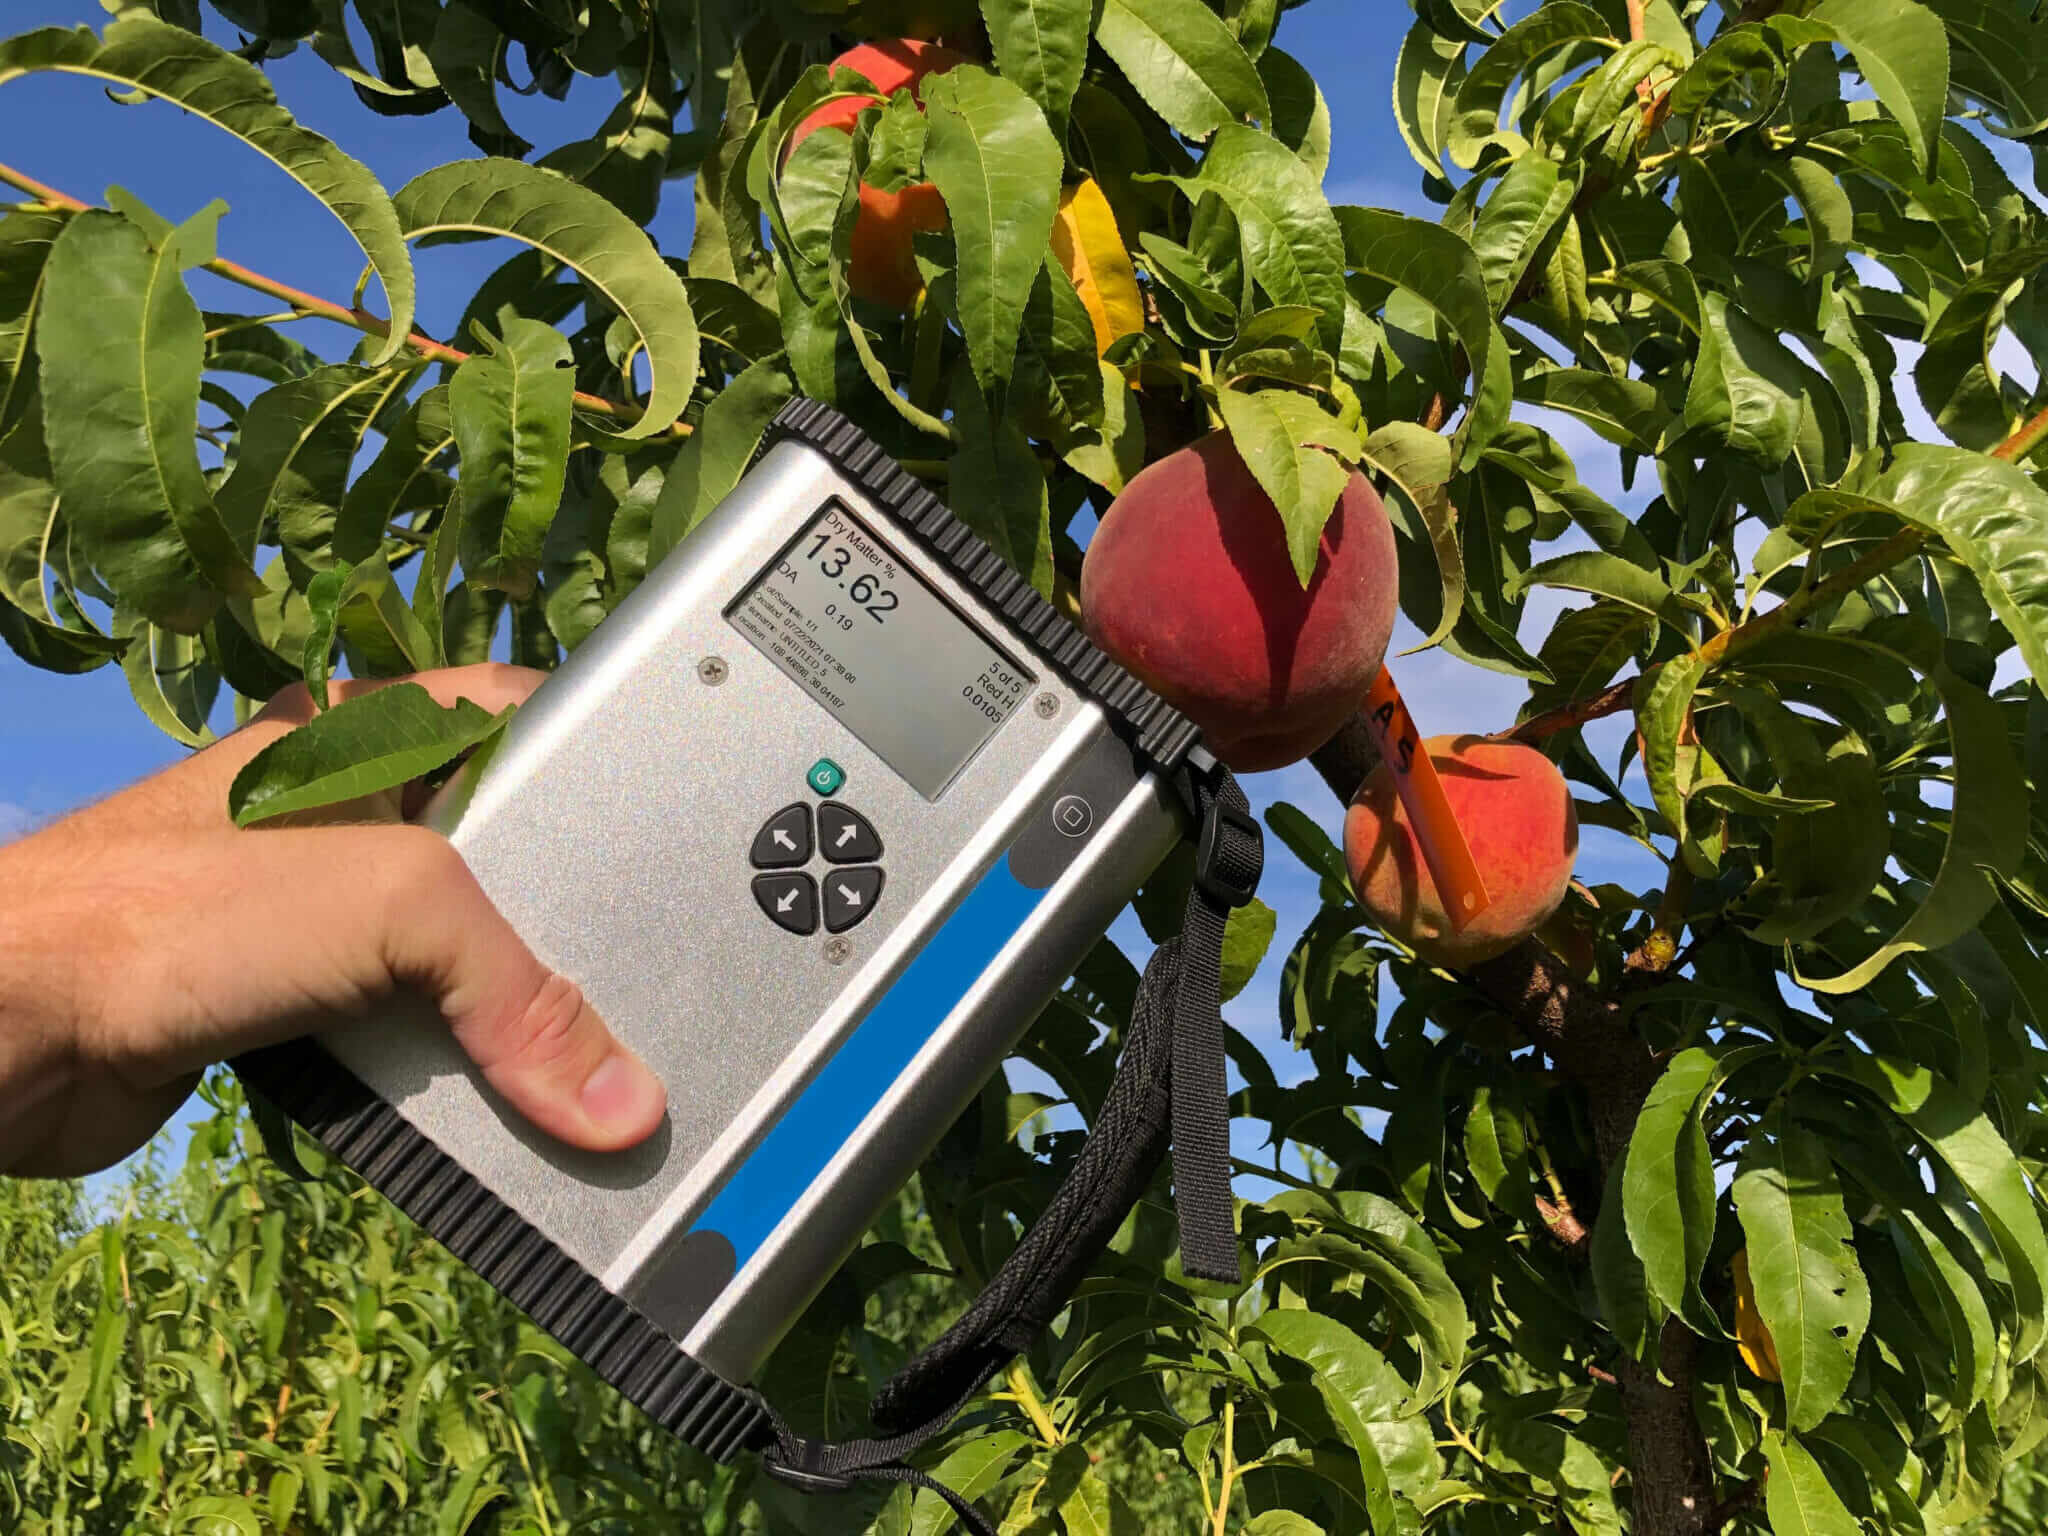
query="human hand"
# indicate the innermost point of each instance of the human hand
(146, 937)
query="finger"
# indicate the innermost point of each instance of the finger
(530, 1028)
(193, 794)
(307, 928)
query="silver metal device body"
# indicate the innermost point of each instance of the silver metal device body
(612, 824)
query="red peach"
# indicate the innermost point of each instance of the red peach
(883, 266)
(1517, 816)
(1188, 584)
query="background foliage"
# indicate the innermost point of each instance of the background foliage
(1811, 1058)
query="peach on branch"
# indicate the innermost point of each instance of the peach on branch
(1517, 816)
(882, 266)
(1188, 583)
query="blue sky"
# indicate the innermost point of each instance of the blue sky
(65, 741)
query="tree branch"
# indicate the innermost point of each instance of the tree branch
(313, 306)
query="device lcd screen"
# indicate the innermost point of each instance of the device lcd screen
(885, 653)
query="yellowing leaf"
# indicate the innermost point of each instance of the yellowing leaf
(1091, 251)
(1751, 1336)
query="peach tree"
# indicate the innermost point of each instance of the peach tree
(1704, 1207)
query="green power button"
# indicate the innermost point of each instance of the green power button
(826, 776)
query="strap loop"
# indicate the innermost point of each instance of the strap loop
(1230, 856)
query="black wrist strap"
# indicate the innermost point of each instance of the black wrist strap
(1169, 1087)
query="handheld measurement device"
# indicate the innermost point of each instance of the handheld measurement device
(818, 818)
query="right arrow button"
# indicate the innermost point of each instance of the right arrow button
(845, 836)
(850, 895)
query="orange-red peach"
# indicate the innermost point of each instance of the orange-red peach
(1517, 816)
(882, 266)
(1188, 584)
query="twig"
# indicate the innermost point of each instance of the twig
(1024, 1393)
(311, 305)
(1609, 701)
(1736, 1503)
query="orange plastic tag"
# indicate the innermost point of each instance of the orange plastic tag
(1444, 848)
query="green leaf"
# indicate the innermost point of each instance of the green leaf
(1301, 117)
(1987, 836)
(1184, 61)
(1042, 46)
(1418, 461)
(1496, 1147)
(1086, 1510)
(120, 421)
(1308, 842)
(997, 487)
(1958, 1133)
(1822, 866)
(1902, 49)
(400, 479)
(374, 741)
(627, 158)
(1668, 1190)
(1626, 412)
(467, 1498)
(1663, 705)
(1798, 1498)
(1427, 73)
(465, 53)
(971, 1471)
(1810, 1290)
(1060, 386)
(1746, 386)
(1303, 481)
(29, 622)
(997, 165)
(1291, 237)
(1476, 123)
(298, 442)
(1282, 1522)
(1519, 216)
(1439, 268)
(710, 464)
(1992, 515)
(209, 1512)
(510, 406)
(1357, 1386)
(1247, 935)
(1608, 576)
(1619, 1279)
(1953, 1301)
(1378, 1241)
(25, 241)
(475, 199)
(141, 53)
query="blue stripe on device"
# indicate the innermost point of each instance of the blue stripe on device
(812, 1130)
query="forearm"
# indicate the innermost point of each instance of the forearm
(39, 1059)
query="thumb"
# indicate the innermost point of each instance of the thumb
(531, 1030)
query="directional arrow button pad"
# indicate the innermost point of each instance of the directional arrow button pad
(850, 895)
(845, 836)
(784, 841)
(790, 900)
